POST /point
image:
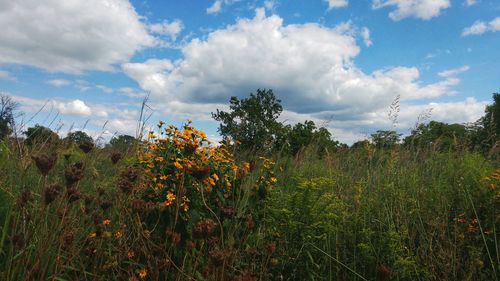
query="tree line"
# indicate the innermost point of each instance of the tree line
(252, 125)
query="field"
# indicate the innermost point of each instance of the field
(179, 208)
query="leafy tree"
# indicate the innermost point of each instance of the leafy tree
(122, 142)
(251, 121)
(303, 134)
(7, 107)
(40, 135)
(485, 132)
(385, 139)
(78, 137)
(441, 136)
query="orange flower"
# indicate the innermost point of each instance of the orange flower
(106, 222)
(143, 273)
(130, 254)
(170, 198)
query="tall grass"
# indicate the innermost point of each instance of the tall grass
(359, 214)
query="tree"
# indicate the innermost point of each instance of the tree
(40, 135)
(304, 134)
(251, 121)
(441, 136)
(78, 137)
(486, 131)
(7, 107)
(122, 142)
(385, 139)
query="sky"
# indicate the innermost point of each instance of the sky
(354, 67)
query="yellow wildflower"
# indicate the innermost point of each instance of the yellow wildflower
(130, 254)
(118, 234)
(170, 198)
(143, 273)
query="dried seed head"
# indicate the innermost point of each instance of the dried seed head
(249, 222)
(138, 205)
(227, 211)
(106, 204)
(271, 248)
(383, 273)
(72, 194)
(125, 186)
(204, 228)
(200, 173)
(23, 199)
(175, 237)
(44, 163)
(190, 245)
(51, 192)
(74, 173)
(115, 157)
(131, 174)
(86, 146)
(217, 257)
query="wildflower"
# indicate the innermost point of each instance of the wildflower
(185, 204)
(92, 235)
(106, 222)
(143, 273)
(177, 165)
(118, 234)
(204, 228)
(216, 177)
(170, 198)
(130, 254)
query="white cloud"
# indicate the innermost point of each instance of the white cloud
(333, 4)
(215, 8)
(365, 34)
(270, 5)
(7, 75)
(309, 66)
(75, 107)
(105, 89)
(171, 29)
(58, 82)
(453, 72)
(71, 36)
(422, 9)
(470, 2)
(480, 27)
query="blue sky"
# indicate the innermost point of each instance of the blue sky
(341, 63)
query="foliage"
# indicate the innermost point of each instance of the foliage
(293, 139)
(78, 138)
(123, 142)
(438, 135)
(251, 121)
(7, 108)
(385, 139)
(40, 135)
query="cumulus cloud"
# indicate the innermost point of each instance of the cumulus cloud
(333, 4)
(71, 36)
(480, 27)
(170, 29)
(422, 9)
(365, 34)
(215, 8)
(309, 66)
(58, 82)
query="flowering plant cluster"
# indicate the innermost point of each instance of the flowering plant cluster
(204, 196)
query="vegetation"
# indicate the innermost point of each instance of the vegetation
(296, 205)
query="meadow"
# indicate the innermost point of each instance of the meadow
(177, 207)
